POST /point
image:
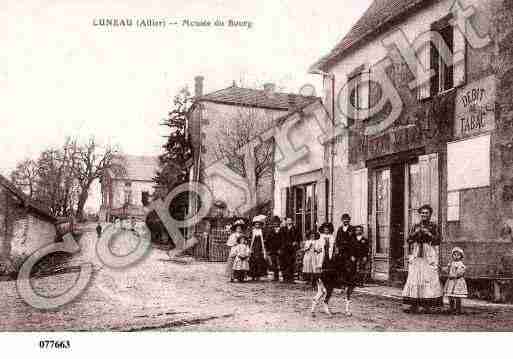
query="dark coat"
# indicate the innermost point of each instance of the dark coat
(345, 242)
(272, 241)
(290, 240)
(333, 264)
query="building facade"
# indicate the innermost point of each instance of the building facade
(302, 189)
(449, 141)
(125, 196)
(25, 227)
(221, 123)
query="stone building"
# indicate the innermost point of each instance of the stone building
(123, 196)
(446, 141)
(225, 120)
(25, 226)
(302, 190)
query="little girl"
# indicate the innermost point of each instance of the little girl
(325, 268)
(309, 256)
(240, 254)
(456, 287)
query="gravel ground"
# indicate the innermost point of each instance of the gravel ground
(159, 294)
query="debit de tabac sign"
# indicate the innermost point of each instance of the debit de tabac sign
(475, 108)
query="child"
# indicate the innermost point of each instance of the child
(240, 254)
(325, 267)
(237, 230)
(309, 256)
(357, 252)
(456, 287)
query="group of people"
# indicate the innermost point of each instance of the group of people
(329, 259)
(332, 260)
(253, 253)
(423, 290)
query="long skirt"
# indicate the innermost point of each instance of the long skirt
(257, 266)
(309, 262)
(423, 286)
(229, 267)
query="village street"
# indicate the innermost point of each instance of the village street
(158, 294)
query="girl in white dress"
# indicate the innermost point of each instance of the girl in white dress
(456, 287)
(309, 256)
(237, 230)
(240, 254)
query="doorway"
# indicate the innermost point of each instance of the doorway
(398, 190)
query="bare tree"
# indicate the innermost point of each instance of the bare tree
(252, 163)
(92, 162)
(25, 176)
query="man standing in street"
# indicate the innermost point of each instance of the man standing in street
(290, 243)
(273, 243)
(99, 230)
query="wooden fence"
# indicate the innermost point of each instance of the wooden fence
(212, 243)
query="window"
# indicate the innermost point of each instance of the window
(449, 72)
(360, 96)
(302, 203)
(128, 194)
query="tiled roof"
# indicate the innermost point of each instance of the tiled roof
(379, 14)
(257, 98)
(139, 168)
(31, 204)
(280, 120)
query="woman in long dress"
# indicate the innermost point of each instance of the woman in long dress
(423, 288)
(237, 230)
(258, 258)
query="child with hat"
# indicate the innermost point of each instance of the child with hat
(456, 287)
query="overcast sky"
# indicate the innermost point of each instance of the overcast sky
(63, 76)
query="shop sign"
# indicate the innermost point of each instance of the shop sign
(475, 108)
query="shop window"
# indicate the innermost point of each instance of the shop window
(468, 163)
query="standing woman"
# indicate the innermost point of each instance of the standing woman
(423, 288)
(258, 257)
(237, 229)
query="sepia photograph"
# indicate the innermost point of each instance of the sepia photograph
(276, 166)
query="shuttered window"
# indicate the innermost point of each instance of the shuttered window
(424, 90)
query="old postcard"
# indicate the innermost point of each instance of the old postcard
(201, 166)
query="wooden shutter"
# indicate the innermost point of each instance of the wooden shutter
(360, 196)
(429, 186)
(424, 90)
(459, 68)
(288, 209)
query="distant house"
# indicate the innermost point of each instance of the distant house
(25, 225)
(124, 196)
(223, 117)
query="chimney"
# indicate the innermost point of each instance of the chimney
(198, 86)
(269, 88)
